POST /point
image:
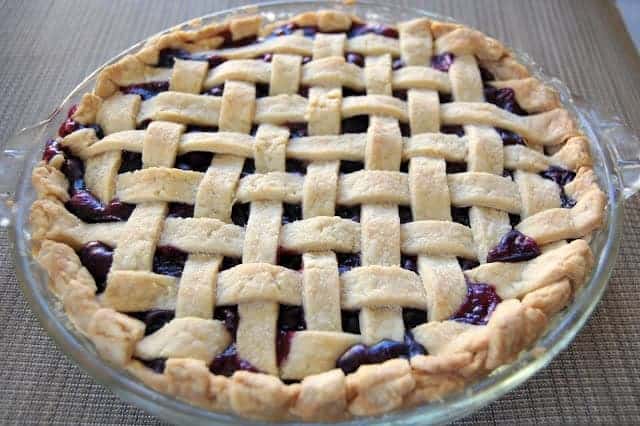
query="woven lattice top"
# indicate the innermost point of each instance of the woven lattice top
(332, 172)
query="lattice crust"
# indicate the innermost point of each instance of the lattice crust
(310, 83)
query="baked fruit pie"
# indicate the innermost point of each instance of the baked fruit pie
(315, 219)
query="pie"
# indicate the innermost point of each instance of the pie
(315, 219)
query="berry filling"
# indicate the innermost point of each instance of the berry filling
(514, 246)
(350, 321)
(460, 215)
(214, 91)
(397, 64)
(413, 317)
(240, 214)
(167, 57)
(379, 29)
(229, 262)
(355, 58)
(349, 212)
(561, 177)
(154, 319)
(180, 210)
(347, 166)
(229, 42)
(453, 130)
(291, 213)
(146, 90)
(347, 261)
(131, 161)
(51, 149)
(70, 125)
(230, 317)
(486, 75)
(442, 62)
(504, 98)
(466, 264)
(382, 351)
(297, 130)
(445, 98)
(196, 161)
(156, 365)
(97, 258)
(510, 138)
(228, 362)
(514, 220)
(289, 260)
(405, 129)
(356, 124)
(169, 260)
(405, 214)
(480, 302)
(400, 94)
(409, 262)
(248, 168)
(296, 166)
(455, 167)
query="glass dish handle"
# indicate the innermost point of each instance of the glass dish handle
(620, 142)
(13, 155)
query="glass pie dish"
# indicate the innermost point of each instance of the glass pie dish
(616, 165)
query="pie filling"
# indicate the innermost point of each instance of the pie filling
(433, 238)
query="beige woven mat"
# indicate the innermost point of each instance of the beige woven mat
(46, 47)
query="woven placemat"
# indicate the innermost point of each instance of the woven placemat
(47, 47)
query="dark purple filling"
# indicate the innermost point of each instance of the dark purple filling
(193, 128)
(460, 215)
(561, 177)
(379, 29)
(70, 125)
(486, 75)
(131, 161)
(504, 98)
(445, 98)
(154, 319)
(413, 317)
(295, 166)
(230, 317)
(443, 61)
(215, 60)
(356, 124)
(347, 91)
(89, 209)
(466, 264)
(347, 261)
(51, 149)
(297, 130)
(156, 365)
(347, 166)
(169, 260)
(514, 220)
(289, 28)
(262, 90)
(240, 214)
(480, 302)
(349, 212)
(507, 173)
(397, 64)
(303, 91)
(456, 167)
(409, 263)
(290, 260)
(400, 94)
(197, 161)
(405, 214)
(97, 258)
(146, 90)
(510, 138)
(229, 42)
(350, 321)
(214, 91)
(180, 210)
(228, 362)
(248, 168)
(283, 345)
(453, 130)
(167, 57)
(382, 351)
(404, 167)
(405, 129)
(514, 246)
(143, 125)
(291, 213)
(291, 318)
(354, 58)
(229, 262)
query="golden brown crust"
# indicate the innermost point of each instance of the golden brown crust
(459, 354)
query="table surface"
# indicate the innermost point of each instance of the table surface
(47, 47)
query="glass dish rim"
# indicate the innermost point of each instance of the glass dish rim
(561, 332)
